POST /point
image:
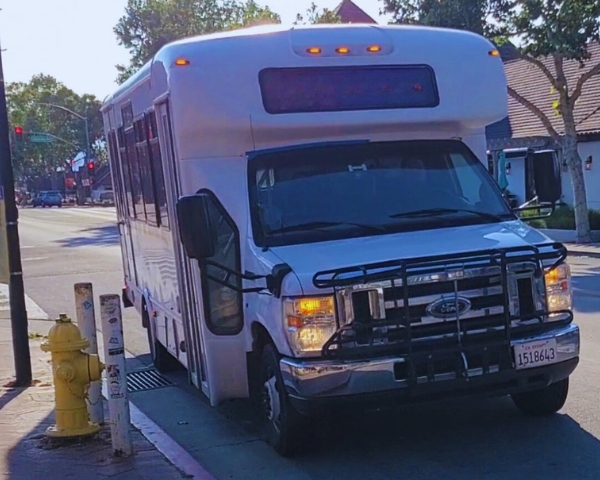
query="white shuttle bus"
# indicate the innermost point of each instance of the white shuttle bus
(305, 220)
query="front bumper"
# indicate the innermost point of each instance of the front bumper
(320, 382)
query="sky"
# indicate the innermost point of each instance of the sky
(73, 40)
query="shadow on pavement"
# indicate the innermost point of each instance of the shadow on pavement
(462, 440)
(583, 254)
(9, 393)
(586, 289)
(32, 455)
(96, 237)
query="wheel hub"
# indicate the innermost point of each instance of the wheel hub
(271, 403)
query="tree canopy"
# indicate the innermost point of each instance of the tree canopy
(30, 106)
(314, 15)
(473, 15)
(148, 25)
(548, 34)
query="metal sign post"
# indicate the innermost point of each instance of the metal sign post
(86, 321)
(116, 374)
(18, 312)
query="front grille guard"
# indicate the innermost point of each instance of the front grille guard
(400, 341)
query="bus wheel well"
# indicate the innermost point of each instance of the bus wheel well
(260, 338)
(162, 359)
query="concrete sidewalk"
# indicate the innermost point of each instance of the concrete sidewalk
(25, 413)
(584, 249)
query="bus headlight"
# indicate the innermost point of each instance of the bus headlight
(558, 289)
(309, 323)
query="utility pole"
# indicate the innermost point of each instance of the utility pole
(18, 312)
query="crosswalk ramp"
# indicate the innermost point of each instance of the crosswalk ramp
(34, 311)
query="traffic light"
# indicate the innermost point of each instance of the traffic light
(19, 133)
(91, 168)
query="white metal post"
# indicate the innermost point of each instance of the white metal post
(86, 320)
(116, 375)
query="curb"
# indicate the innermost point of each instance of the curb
(168, 447)
(164, 444)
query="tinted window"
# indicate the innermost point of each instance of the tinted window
(157, 170)
(126, 172)
(223, 304)
(143, 155)
(136, 177)
(318, 194)
(328, 89)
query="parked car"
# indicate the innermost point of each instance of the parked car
(50, 198)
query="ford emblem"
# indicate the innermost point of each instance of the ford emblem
(450, 307)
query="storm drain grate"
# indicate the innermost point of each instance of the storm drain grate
(146, 380)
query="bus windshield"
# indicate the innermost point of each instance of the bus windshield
(351, 190)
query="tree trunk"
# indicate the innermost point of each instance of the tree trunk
(582, 221)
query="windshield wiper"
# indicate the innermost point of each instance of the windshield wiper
(432, 212)
(323, 224)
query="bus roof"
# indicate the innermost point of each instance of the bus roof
(217, 84)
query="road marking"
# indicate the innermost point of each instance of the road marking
(34, 312)
(33, 259)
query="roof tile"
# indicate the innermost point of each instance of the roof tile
(349, 12)
(532, 84)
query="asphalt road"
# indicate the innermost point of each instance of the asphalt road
(466, 439)
(61, 247)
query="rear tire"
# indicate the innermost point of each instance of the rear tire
(545, 401)
(281, 425)
(163, 361)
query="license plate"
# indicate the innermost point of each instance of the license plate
(535, 354)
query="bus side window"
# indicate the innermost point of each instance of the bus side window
(126, 172)
(160, 194)
(143, 155)
(223, 305)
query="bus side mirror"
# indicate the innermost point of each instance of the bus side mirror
(196, 231)
(546, 176)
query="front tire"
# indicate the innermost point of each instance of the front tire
(545, 401)
(282, 426)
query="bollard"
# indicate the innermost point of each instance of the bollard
(86, 321)
(116, 375)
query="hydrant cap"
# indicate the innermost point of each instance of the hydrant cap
(64, 336)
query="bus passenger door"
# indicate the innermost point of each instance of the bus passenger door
(187, 286)
(213, 312)
(121, 204)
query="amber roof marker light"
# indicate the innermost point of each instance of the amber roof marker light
(314, 50)
(343, 50)
(494, 53)
(182, 62)
(374, 49)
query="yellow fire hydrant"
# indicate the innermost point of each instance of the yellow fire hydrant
(73, 371)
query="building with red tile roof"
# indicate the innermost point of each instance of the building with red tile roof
(349, 12)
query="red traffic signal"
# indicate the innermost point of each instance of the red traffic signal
(91, 168)
(18, 130)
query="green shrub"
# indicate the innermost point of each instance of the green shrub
(595, 219)
(539, 223)
(563, 218)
